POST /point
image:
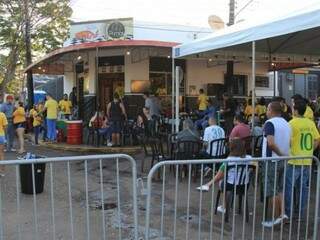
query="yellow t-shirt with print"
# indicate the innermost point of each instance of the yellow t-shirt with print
(36, 118)
(203, 102)
(303, 134)
(3, 123)
(52, 106)
(65, 106)
(19, 115)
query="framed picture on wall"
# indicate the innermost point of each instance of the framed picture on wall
(192, 90)
(140, 86)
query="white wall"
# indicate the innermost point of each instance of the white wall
(92, 72)
(168, 32)
(135, 71)
(68, 82)
(199, 75)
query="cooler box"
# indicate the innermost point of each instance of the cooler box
(74, 132)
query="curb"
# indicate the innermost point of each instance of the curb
(86, 148)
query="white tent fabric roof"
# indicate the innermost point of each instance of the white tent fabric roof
(298, 33)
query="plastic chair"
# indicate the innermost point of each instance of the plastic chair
(243, 174)
(188, 150)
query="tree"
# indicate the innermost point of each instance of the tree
(29, 28)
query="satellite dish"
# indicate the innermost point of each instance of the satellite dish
(215, 22)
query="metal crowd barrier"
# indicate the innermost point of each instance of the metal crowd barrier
(185, 213)
(70, 220)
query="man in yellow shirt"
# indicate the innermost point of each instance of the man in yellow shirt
(65, 107)
(51, 106)
(304, 140)
(3, 125)
(202, 100)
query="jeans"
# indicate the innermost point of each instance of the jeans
(10, 135)
(51, 129)
(294, 175)
(106, 132)
(36, 130)
(43, 130)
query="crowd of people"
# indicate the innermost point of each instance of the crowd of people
(286, 131)
(43, 115)
(111, 124)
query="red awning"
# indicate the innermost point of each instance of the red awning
(104, 44)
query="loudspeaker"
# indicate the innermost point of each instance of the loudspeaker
(214, 89)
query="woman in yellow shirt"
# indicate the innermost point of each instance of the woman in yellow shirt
(19, 121)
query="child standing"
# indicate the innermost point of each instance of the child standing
(34, 112)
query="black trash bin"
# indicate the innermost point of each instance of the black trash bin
(26, 177)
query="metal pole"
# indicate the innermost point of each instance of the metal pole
(97, 78)
(172, 96)
(274, 83)
(253, 81)
(177, 98)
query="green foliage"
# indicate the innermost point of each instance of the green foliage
(49, 25)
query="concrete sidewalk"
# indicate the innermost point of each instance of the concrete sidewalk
(86, 148)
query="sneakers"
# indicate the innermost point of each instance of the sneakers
(275, 222)
(221, 209)
(109, 144)
(10, 150)
(204, 188)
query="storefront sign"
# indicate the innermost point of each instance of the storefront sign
(103, 30)
(116, 30)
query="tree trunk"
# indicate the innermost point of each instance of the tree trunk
(28, 54)
(10, 69)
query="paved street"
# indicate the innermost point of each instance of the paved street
(62, 211)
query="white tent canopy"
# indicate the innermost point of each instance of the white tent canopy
(293, 38)
(296, 34)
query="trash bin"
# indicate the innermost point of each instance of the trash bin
(26, 176)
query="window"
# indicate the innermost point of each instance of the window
(160, 75)
(312, 86)
(262, 81)
(238, 86)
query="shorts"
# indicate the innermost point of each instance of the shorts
(20, 125)
(229, 187)
(116, 126)
(269, 180)
(2, 140)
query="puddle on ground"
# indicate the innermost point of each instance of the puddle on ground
(107, 206)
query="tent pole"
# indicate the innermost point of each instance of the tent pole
(172, 96)
(97, 79)
(274, 82)
(253, 81)
(177, 98)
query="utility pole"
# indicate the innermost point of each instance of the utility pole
(232, 8)
(28, 52)
(229, 73)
